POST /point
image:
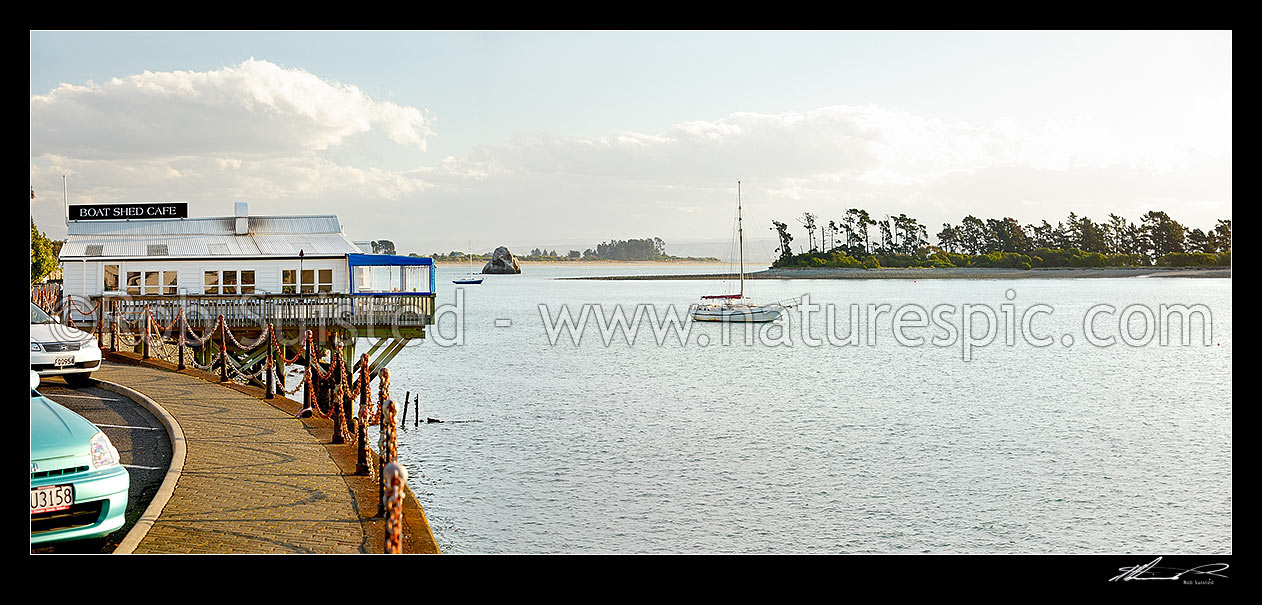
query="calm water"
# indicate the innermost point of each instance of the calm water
(778, 446)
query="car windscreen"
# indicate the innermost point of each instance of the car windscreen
(38, 316)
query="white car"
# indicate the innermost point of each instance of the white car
(60, 350)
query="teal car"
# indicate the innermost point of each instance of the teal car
(78, 487)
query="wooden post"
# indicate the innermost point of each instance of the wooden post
(404, 420)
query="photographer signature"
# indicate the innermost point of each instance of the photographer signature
(1149, 571)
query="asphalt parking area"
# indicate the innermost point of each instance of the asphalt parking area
(143, 447)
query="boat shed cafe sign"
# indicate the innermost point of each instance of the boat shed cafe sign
(100, 212)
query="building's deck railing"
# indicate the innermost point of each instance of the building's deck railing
(283, 310)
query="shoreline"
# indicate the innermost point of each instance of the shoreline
(596, 263)
(947, 273)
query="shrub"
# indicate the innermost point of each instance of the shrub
(1186, 259)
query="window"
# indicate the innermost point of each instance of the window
(391, 278)
(147, 283)
(229, 282)
(385, 279)
(415, 279)
(153, 283)
(363, 279)
(289, 283)
(111, 278)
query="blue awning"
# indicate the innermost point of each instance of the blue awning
(390, 274)
(358, 260)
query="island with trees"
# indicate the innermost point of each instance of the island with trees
(857, 240)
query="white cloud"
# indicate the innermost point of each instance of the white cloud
(280, 138)
(255, 108)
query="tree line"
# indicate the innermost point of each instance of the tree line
(859, 240)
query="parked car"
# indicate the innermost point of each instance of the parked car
(78, 488)
(60, 350)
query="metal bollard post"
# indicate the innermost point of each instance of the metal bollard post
(144, 343)
(335, 401)
(396, 477)
(280, 356)
(271, 375)
(179, 322)
(387, 447)
(223, 350)
(113, 326)
(100, 324)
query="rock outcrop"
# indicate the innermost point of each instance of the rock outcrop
(502, 263)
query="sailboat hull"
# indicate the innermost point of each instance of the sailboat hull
(741, 313)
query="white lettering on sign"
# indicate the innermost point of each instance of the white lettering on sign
(128, 211)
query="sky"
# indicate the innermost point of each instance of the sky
(446, 140)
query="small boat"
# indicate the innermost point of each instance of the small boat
(471, 278)
(735, 307)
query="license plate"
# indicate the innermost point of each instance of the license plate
(62, 362)
(52, 498)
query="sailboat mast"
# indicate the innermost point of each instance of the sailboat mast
(740, 232)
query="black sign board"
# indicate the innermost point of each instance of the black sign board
(102, 212)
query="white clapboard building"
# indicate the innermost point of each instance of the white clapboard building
(129, 253)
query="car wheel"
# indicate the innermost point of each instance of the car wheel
(79, 380)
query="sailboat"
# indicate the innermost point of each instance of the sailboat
(735, 307)
(471, 278)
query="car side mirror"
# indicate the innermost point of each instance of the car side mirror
(34, 380)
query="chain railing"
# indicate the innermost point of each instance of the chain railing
(137, 327)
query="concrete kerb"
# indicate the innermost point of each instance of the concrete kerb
(167, 488)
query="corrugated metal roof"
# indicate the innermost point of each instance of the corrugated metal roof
(281, 236)
(326, 223)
